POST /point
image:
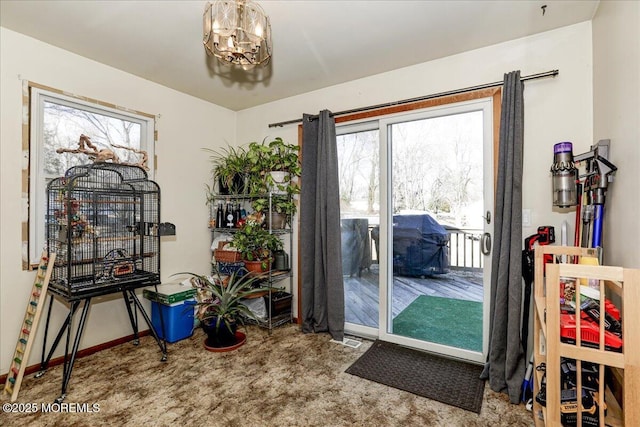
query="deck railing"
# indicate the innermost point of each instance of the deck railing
(464, 248)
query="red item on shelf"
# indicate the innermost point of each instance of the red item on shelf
(589, 333)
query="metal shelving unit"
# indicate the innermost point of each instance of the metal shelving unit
(272, 277)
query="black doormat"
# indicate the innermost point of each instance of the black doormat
(448, 381)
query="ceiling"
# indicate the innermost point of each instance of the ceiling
(316, 43)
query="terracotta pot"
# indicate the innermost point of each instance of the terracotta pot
(241, 338)
(257, 266)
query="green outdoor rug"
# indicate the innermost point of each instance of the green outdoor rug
(452, 322)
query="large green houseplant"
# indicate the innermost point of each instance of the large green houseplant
(273, 156)
(231, 167)
(256, 245)
(220, 306)
(267, 160)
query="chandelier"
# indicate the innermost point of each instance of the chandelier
(237, 32)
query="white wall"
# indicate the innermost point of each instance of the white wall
(186, 124)
(556, 110)
(559, 109)
(616, 113)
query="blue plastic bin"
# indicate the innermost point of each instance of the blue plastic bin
(178, 320)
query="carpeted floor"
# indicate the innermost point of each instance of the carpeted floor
(284, 379)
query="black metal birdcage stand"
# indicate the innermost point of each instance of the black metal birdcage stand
(103, 224)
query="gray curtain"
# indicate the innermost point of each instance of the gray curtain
(505, 367)
(322, 299)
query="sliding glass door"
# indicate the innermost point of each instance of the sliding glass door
(438, 198)
(416, 192)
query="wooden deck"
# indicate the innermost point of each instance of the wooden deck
(361, 293)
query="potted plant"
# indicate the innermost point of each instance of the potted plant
(230, 168)
(283, 166)
(283, 207)
(220, 307)
(274, 166)
(256, 246)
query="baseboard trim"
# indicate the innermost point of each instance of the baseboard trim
(80, 354)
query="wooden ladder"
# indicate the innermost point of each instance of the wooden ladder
(29, 326)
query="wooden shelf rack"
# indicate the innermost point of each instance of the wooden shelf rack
(617, 406)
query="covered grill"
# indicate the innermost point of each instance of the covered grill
(420, 245)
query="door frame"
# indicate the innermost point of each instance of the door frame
(495, 93)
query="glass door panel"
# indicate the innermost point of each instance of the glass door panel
(437, 198)
(359, 171)
(414, 191)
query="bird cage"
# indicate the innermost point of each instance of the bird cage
(102, 221)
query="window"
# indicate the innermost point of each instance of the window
(56, 122)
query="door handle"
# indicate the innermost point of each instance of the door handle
(485, 244)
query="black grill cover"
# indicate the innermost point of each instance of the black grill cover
(420, 246)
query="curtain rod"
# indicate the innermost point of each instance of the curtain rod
(551, 73)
